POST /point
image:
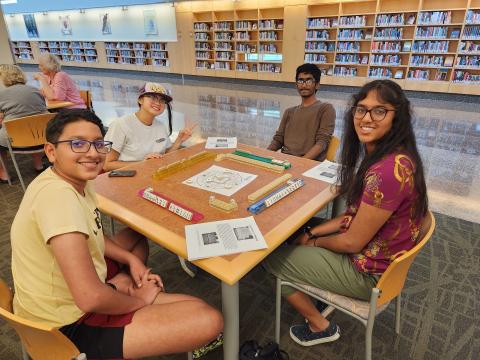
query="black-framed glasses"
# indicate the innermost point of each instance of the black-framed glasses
(377, 113)
(307, 82)
(83, 146)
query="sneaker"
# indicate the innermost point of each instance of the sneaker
(188, 267)
(302, 334)
(197, 353)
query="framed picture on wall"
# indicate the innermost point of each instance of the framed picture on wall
(106, 27)
(66, 27)
(30, 25)
(150, 22)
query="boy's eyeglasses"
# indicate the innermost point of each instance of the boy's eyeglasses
(156, 98)
(377, 113)
(308, 82)
(83, 146)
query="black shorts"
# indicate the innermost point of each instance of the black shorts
(100, 336)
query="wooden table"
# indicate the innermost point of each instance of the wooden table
(58, 104)
(118, 198)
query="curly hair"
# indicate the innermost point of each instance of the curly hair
(12, 75)
(50, 62)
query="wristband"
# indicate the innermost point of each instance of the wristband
(111, 285)
(307, 230)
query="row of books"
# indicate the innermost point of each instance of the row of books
(246, 67)
(472, 17)
(223, 25)
(134, 46)
(345, 71)
(242, 35)
(430, 60)
(434, 17)
(348, 46)
(385, 59)
(351, 59)
(352, 34)
(359, 20)
(386, 46)
(247, 48)
(224, 36)
(224, 55)
(321, 22)
(245, 25)
(68, 58)
(320, 35)
(473, 61)
(202, 46)
(268, 35)
(319, 46)
(269, 68)
(201, 26)
(468, 46)
(465, 76)
(388, 33)
(432, 32)
(223, 46)
(471, 32)
(390, 19)
(268, 48)
(270, 24)
(202, 55)
(431, 46)
(22, 44)
(315, 58)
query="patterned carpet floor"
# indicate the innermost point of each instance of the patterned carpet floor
(440, 303)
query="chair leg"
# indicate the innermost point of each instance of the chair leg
(278, 309)
(368, 339)
(397, 313)
(190, 356)
(25, 354)
(17, 170)
(2, 163)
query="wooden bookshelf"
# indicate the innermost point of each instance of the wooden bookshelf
(137, 53)
(426, 45)
(22, 50)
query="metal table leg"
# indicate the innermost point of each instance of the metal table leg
(231, 332)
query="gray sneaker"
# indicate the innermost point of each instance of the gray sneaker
(188, 267)
(302, 334)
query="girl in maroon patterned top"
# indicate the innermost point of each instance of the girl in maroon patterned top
(383, 182)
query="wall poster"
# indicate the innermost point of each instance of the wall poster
(66, 27)
(31, 25)
(149, 22)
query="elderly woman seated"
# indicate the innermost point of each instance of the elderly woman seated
(56, 84)
(17, 100)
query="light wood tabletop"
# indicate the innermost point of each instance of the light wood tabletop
(58, 104)
(118, 198)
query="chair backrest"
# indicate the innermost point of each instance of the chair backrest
(41, 342)
(27, 131)
(392, 281)
(332, 148)
(87, 98)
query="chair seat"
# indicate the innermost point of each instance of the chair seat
(358, 307)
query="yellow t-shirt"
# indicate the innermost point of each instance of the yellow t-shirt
(51, 207)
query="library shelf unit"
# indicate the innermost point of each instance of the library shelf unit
(153, 54)
(22, 50)
(71, 51)
(425, 45)
(243, 43)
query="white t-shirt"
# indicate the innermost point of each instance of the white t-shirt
(133, 140)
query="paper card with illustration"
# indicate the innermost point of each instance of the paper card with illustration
(150, 22)
(105, 21)
(223, 237)
(66, 27)
(221, 143)
(220, 180)
(30, 25)
(325, 171)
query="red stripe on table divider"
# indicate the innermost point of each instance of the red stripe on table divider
(196, 216)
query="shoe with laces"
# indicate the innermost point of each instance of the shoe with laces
(302, 334)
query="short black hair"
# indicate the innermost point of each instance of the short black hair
(311, 69)
(57, 124)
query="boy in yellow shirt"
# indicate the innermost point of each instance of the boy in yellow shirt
(67, 274)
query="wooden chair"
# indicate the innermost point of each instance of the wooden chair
(388, 288)
(41, 342)
(332, 148)
(26, 136)
(86, 96)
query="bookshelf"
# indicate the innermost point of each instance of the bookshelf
(137, 53)
(22, 50)
(243, 43)
(71, 51)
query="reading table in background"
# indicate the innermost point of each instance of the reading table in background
(58, 104)
(118, 198)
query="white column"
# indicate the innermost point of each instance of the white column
(6, 56)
